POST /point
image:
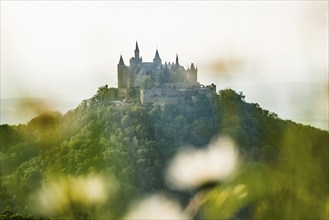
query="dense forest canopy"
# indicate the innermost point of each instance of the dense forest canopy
(100, 159)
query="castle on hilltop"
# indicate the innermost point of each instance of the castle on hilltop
(154, 74)
(159, 83)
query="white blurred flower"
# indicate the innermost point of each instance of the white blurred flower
(192, 168)
(156, 207)
(60, 194)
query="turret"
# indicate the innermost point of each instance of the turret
(121, 63)
(177, 63)
(136, 51)
(136, 60)
(157, 56)
(157, 60)
(192, 75)
(122, 74)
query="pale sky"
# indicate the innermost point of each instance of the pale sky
(275, 52)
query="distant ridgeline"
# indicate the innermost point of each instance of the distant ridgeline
(155, 82)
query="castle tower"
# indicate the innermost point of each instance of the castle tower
(136, 51)
(177, 63)
(192, 75)
(121, 62)
(136, 60)
(157, 60)
(122, 74)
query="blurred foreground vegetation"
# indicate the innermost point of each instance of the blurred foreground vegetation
(283, 166)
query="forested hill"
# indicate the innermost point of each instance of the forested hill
(284, 165)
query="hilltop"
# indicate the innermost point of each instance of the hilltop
(129, 145)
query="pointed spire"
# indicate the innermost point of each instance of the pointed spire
(121, 61)
(157, 60)
(136, 51)
(157, 56)
(177, 63)
(192, 66)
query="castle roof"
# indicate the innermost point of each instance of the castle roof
(121, 61)
(157, 56)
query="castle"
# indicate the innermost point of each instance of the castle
(154, 74)
(160, 83)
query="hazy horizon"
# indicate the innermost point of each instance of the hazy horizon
(276, 53)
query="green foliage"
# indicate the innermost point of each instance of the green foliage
(147, 83)
(175, 77)
(14, 216)
(163, 77)
(282, 173)
(284, 164)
